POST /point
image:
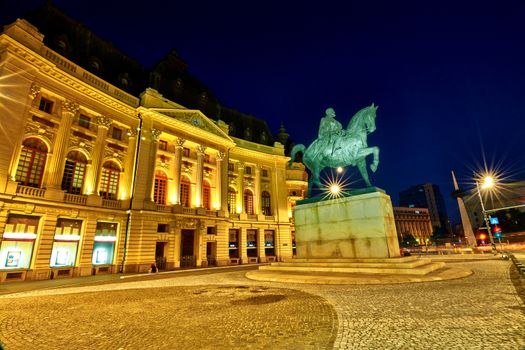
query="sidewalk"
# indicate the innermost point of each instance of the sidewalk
(26, 286)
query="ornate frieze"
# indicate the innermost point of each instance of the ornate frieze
(104, 121)
(189, 223)
(33, 128)
(70, 106)
(111, 153)
(77, 142)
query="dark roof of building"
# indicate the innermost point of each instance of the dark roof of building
(170, 76)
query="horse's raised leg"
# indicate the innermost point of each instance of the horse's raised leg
(375, 163)
(361, 166)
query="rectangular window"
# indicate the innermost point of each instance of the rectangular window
(269, 242)
(211, 230)
(185, 152)
(207, 158)
(84, 121)
(18, 240)
(251, 243)
(233, 243)
(116, 133)
(163, 145)
(45, 105)
(104, 247)
(231, 167)
(248, 170)
(65, 245)
(264, 173)
(162, 228)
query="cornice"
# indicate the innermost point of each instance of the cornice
(181, 127)
(52, 70)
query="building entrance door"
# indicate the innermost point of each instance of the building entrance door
(187, 249)
(160, 259)
(211, 253)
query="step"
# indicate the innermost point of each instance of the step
(357, 260)
(390, 264)
(419, 270)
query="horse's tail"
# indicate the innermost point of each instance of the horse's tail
(295, 149)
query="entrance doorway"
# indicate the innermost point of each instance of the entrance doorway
(211, 253)
(160, 259)
(187, 251)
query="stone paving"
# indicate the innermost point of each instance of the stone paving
(224, 310)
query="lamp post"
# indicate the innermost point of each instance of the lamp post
(488, 182)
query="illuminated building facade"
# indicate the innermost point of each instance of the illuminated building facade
(414, 222)
(95, 178)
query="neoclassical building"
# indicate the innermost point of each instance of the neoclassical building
(413, 222)
(95, 178)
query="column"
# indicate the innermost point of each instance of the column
(217, 203)
(93, 172)
(177, 169)
(240, 185)
(243, 252)
(56, 169)
(257, 195)
(125, 191)
(155, 134)
(200, 169)
(261, 252)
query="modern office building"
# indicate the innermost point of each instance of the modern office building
(427, 196)
(106, 166)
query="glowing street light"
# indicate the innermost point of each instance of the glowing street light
(488, 182)
(339, 170)
(335, 189)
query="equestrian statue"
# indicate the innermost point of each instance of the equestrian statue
(337, 147)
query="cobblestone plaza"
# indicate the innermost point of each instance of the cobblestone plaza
(221, 309)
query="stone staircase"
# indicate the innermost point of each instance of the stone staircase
(409, 265)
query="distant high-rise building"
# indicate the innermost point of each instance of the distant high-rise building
(427, 196)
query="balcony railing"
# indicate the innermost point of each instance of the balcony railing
(189, 211)
(211, 213)
(75, 198)
(111, 203)
(30, 191)
(252, 216)
(164, 208)
(235, 216)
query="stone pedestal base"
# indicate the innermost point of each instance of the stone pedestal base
(358, 226)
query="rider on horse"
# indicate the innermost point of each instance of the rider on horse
(330, 132)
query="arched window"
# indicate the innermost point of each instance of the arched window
(74, 172)
(248, 201)
(232, 201)
(161, 187)
(206, 195)
(109, 180)
(266, 203)
(31, 163)
(185, 192)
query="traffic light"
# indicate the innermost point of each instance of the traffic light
(497, 231)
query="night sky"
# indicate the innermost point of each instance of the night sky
(448, 76)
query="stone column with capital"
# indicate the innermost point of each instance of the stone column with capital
(155, 134)
(179, 142)
(93, 172)
(199, 177)
(257, 188)
(218, 180)
(56, 168)
(240, 184)
(129, 162)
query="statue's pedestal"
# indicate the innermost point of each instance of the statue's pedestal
(358, 226)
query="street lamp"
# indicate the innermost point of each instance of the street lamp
(488, 182)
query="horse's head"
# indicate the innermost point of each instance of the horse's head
(364, 120)
(370, 118)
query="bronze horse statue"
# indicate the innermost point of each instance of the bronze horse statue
(352, 148)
